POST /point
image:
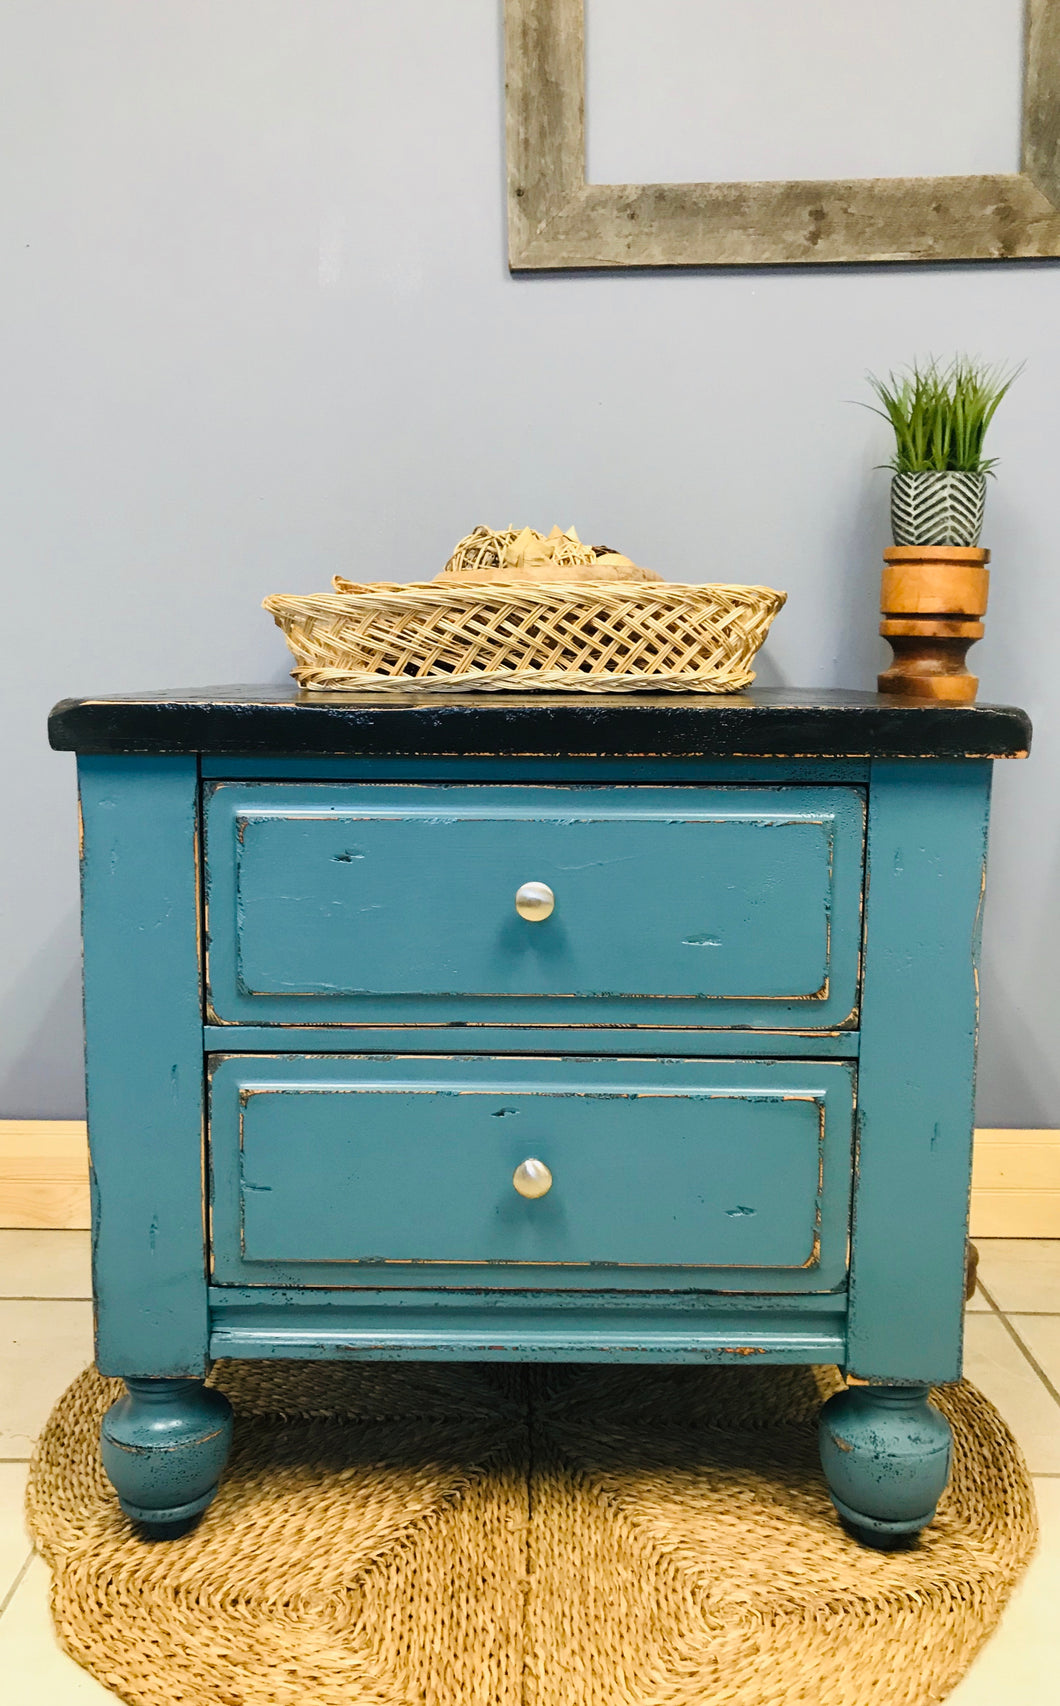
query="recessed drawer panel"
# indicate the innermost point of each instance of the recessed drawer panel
(368, 1171)
(355, 903)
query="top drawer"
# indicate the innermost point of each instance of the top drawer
(355, 903)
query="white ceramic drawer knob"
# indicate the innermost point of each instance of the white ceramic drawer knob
(532, 1178)
(534, 901)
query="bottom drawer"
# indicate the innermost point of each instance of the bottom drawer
(370, 1170)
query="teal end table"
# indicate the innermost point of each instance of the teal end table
(532, 1028)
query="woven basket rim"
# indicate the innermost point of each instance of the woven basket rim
(397, 594)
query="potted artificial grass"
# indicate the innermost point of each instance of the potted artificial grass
(940, 418)
(936, 583)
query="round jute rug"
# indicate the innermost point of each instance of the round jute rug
(441, 1535)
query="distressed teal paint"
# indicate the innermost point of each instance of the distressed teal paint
(758, 772)
(926, 868)
(567, 1041)
(164, 1445)
(886, 1455)
(143, 1037)
(414, 1326)
(610, 1303)
(362, 1200)
(707, 906)
(728, 1175)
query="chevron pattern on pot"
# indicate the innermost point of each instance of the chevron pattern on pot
(937, 507)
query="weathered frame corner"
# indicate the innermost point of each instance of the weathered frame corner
(556, 220)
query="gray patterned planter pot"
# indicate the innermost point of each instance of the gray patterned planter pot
(936, 507)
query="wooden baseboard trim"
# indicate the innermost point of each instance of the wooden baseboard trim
(44, 1179)
(44, 1173)
(1016, 1184)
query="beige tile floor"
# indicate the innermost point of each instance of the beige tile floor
(1012, 1353)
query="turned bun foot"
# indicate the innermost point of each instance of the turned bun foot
(886, 1457)
(164, 1445)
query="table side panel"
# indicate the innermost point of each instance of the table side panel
(143, 1026)
(926, 873)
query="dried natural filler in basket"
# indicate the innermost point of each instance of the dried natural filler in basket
(523, 555)
(528, 611)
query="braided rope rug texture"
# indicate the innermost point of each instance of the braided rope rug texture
(490, 1535)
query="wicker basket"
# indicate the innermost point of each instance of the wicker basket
(616, 637)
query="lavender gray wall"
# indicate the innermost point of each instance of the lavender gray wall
(257, 327)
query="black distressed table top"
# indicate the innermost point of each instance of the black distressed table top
(771, 723)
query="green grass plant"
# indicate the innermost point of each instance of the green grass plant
(940, 414)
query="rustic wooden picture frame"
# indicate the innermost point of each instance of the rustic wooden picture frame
(557, 220)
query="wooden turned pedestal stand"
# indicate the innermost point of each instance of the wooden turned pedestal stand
(932, 599)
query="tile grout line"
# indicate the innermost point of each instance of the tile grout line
(17, 1583)
(9, 1297)
(1038, 1314)
(1018, 1342)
